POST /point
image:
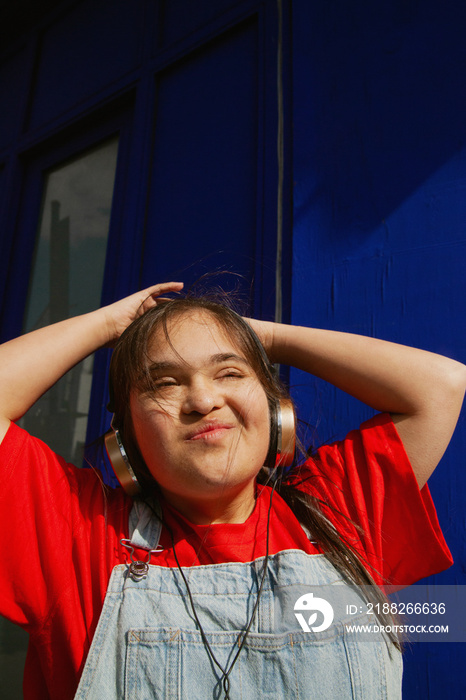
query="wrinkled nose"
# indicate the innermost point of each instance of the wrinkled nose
(201, 397)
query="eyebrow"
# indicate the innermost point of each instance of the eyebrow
(216, 359)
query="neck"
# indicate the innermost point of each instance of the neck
(226, 508)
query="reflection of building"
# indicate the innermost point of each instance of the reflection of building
(66, 279)
(171, 110)
(179, 107)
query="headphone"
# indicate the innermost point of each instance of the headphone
(282, 431)
(120, 462)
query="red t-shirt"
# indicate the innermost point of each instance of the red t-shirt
(62, 530)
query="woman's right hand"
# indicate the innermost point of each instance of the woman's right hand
(32, 363)
(122, 313)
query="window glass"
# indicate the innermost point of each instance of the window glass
(67, 280)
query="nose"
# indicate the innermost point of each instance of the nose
(201, 396)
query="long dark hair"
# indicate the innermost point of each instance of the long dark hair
(129, 371)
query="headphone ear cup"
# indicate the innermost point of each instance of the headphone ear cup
(120, 463)
(271, 459)
(282, 434)
(287, 443)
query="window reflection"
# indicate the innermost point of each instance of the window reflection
(67, 280)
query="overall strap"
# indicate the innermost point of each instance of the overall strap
(144, 527)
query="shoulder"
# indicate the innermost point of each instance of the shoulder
(31, 470)
(367, 488)
(375, 445)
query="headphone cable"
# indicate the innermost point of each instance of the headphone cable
(225, 673)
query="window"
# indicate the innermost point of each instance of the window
(66, 280)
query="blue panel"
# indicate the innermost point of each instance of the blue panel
(180, 18)
(385, 94)
(379, 244)
(203, 201)
(12, 73)
(83, 52)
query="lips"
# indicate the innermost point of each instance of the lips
(209, 431)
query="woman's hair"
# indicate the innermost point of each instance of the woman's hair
(130, 370)
(130, 363)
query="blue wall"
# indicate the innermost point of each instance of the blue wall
(379, 237)
(375, 103)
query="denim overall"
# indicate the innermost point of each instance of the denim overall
(147, 643)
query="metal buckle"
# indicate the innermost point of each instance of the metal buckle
(138, 569)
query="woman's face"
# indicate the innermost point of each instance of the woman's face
(204, 432)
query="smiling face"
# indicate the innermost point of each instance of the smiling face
(203, 427)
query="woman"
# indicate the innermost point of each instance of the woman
(213, 615)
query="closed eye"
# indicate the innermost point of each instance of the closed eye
(231, 374)
(164, 382)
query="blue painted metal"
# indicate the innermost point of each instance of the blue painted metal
(77, 57)
(375, 243)
(205, 163)
(379, 210)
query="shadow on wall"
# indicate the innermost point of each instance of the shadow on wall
(385, 107)
(379, 162)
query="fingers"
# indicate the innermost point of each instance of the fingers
(151, 295)
(157, 289)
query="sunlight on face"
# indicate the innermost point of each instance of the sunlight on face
(203, 430)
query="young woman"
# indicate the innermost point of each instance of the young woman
(188, 590)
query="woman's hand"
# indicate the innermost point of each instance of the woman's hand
(32, 363)
(121, 314)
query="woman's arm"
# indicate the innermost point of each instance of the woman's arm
(32, 363)
(423, 391)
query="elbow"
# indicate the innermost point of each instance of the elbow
(441, 391)
(449, 392)
(456, 380)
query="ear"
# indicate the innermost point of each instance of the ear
(282, 434)
(120, 462)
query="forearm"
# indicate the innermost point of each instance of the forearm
(386, 376)
(423, 391)
(32, 363)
